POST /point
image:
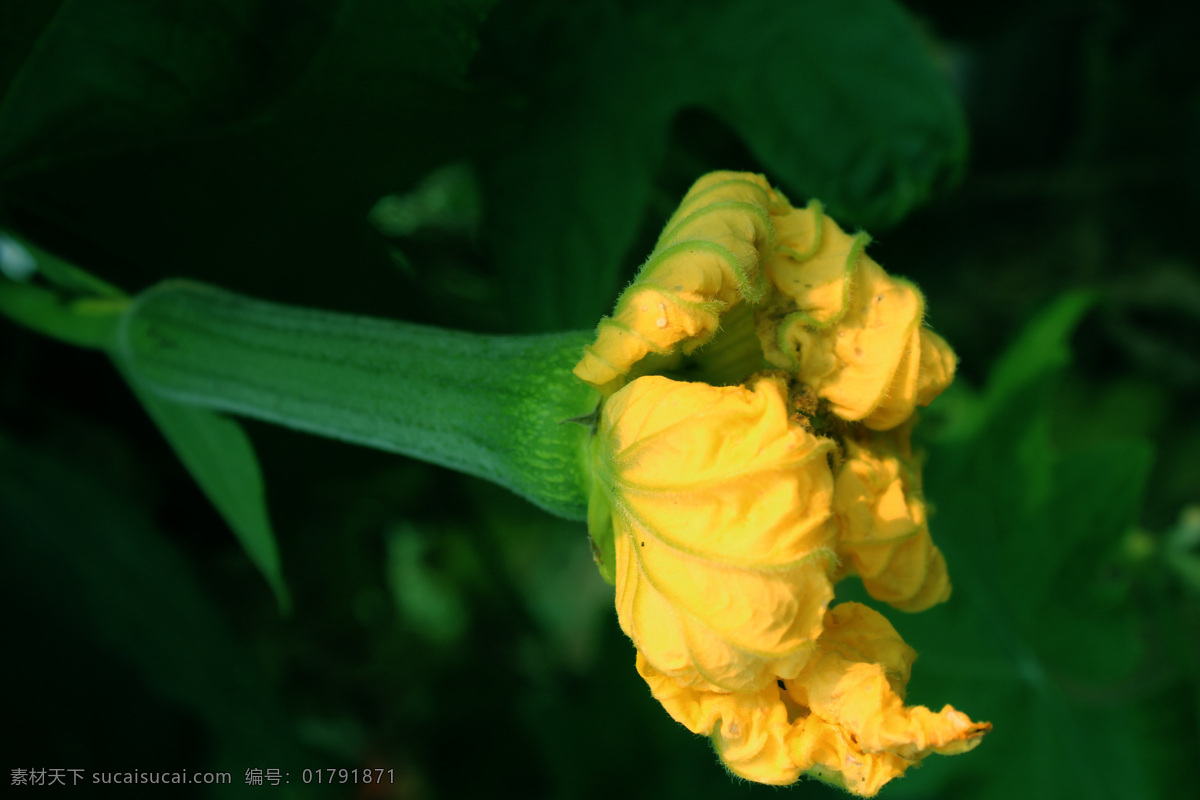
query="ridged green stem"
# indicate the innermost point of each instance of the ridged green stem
(490, 406)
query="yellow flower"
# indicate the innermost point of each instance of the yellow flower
(753, 448)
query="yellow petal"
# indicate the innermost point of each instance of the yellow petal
(830, 753)
(900, 398)
(856, 633)
(727, 628)
(813, 265)
(707, 260)
(720, 472)
(883, 531)
(821, 308)
(722, 528)
(732, 211)
(842, 719)
(750, 730)
(938, 363)
(854, 362)
(855, 682)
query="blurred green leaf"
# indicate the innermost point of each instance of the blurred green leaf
(78, 550)
(849, 104)
(1181, 548)
(86, 323)
(220, 457)
(56, 271)
(446, 201)
(1041, 349)
(839, 100)
(428, 600)
(214, 449)
(109, 73)
(1029, 641)
(230, 137)
(59, 311)
(551, 567)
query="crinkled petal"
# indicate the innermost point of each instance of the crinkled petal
(854, 363)
(727, 628)
(732, 211)
(883, 531)
(813, 265)
(937, 366)
(695, 650)
(830, 753)
(708, 259)
(843, 718)
(822, 309)
(852, 683)
(723, 532)
(721, 473)
(900, 398)
(750, 730)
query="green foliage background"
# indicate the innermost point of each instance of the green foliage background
(504, 167)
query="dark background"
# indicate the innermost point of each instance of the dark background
(1001, 154)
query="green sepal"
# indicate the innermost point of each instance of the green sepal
(600, 529)
(220, 457)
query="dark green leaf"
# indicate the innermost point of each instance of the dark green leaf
(109, 73)
(215, 450)
(79, 322)
(77, 549)
(839, 100)
(227, 138)
(842, 101)
(60, 312)
(1042, 347)
(61, 274)
(1027, 641)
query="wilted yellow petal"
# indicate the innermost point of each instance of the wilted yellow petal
(883, 532)
(842, 719)
(938, 363)
(822, 309)
(829, 752)
(750, 730)
(813, 266)
(707, 260)
(854, 363)
(855, 682)
(900, 397)
(722, 527)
